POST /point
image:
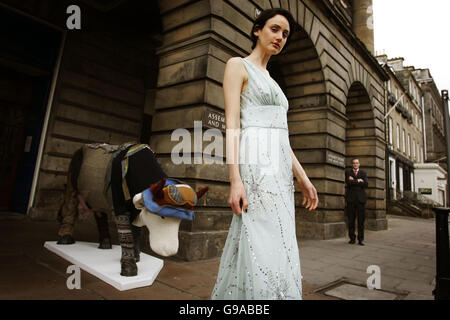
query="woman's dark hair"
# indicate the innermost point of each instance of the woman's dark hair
(265, 15)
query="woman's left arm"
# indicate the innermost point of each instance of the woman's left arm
(306, 187)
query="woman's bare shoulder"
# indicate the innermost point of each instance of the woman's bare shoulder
(235, 65)
(235, 60)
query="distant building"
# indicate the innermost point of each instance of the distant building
(434, 118)
(435, 138)
(415, 133)
(404, 128)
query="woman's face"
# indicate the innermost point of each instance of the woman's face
(274, 35)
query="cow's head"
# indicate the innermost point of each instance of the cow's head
(162, 209)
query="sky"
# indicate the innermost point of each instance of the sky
(418, 31)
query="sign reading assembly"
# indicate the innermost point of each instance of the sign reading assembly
(214, 119)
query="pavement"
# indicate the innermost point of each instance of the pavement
(405, 255)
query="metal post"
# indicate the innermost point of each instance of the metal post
(442, 290)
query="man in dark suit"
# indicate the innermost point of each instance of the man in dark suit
(356, 181)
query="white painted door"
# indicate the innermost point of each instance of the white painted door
(400, 178)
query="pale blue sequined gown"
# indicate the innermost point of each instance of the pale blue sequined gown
(260, 259)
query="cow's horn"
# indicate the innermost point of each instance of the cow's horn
(201, 192)
(158, 190)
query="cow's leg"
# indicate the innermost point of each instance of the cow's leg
(103, 230)
(137, 231)
(127, 261)
(68, 215)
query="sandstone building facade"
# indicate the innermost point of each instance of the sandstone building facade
(416, 142)
(404, 128)
(436, 151)
(138, 70)
(434, 118)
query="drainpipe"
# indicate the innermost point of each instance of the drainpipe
(424, 131)
(386, 138)
(45, 126)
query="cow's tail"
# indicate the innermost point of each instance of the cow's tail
(74, 169)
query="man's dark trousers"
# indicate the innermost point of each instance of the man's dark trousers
(356, 210)
(356, 202)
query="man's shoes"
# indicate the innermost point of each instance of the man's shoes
(352, 241)
(361, 243)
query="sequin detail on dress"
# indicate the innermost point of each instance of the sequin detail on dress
(260, 259)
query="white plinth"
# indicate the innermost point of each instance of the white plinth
(105, 263)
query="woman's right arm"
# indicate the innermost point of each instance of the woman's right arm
(232, 87)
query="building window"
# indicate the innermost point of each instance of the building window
(404, 141)
(409, 145)
(418, 152)
(398, 137)
(414, 148)
(417, 123)
(391, 129)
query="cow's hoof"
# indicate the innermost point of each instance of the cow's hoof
(66, 239)
(105, 244)
(137, 256)
(129, 268)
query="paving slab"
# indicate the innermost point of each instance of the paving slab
(355, 292)
(405, 254)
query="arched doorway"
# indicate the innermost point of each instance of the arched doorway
(299, 72)
(363, 142)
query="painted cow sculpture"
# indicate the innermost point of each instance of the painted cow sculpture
(128, 181)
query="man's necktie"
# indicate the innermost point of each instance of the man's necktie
(356, 172)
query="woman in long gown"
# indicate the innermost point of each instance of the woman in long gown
(260, 259)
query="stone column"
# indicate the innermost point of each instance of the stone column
(363, 22)
(195, 48)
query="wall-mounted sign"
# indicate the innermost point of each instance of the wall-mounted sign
(336, 159)
(425, 191)
(214, 119)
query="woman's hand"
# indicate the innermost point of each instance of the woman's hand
(306, 187)
(309, 194)
(238, 196)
